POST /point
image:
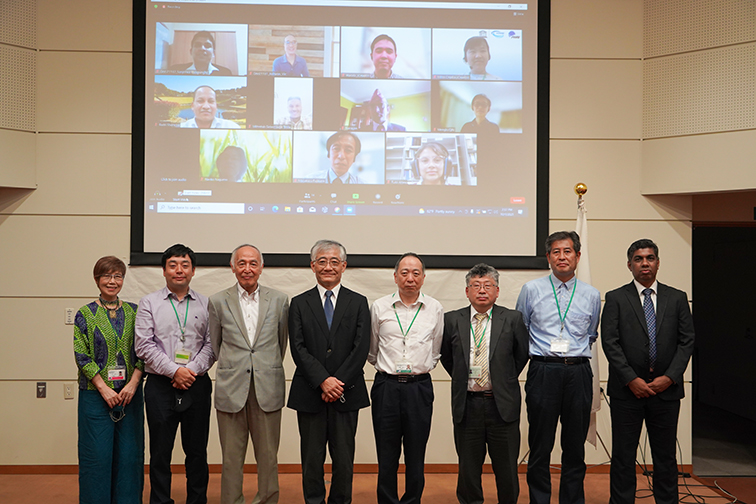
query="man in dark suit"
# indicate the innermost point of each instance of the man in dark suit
(647, 335)
(202, 52)
(329, 333)
(484, 350)
(249, 332)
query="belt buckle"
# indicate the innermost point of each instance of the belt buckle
(402, 378)
(567, 360)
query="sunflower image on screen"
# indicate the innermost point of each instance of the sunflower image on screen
(245, 156)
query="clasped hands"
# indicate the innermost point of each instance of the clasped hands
(642, 389)
(333, 389)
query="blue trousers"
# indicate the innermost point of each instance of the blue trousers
(111, 454)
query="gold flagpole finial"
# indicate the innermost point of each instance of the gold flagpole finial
(580, 189)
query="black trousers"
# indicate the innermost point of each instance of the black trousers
(481, 427)
(661, 423)
(163, 421)
(557, 392)
(401, 416)
(337, 430)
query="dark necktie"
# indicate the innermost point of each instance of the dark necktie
(328, 308)
(648, 310)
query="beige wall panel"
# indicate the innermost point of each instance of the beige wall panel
(699, 164)
(49, 256)
(725, 207)
(18, 168)
(611, 170)
(90, 25)
(596, 29)
(596, 99)
(79, 175)
(608, 242)
(84, 92)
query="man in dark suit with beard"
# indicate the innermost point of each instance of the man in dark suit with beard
(484, 350)
(329, 333)
(647, 335)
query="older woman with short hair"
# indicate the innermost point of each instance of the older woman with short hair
(111, 405)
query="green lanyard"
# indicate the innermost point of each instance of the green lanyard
(482, 335)
(559, 310)
(404, 334)
(178, 319)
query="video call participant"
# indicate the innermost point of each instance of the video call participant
(342, 149)
(329, 334)
(405, 345)
(378, 109)
(562, 317)
(205, 108)
(431, 160)
(481, 105)
(202, 52)
(249, 333)
(172, 337)
(477, 56)
(291, 64)
(295, 119)
(383, 56)
(232, 164)
(484, 351)
(647, 334)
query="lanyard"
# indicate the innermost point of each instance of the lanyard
(178, 319)
(483, 334)
(562, 318)
(404, 334)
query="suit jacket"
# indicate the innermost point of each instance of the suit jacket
(237, 359)
(389, 127)
(319, 352)
(507, 356)
(624, 337)
(183, 67)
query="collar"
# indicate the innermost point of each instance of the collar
(398, 299)
(654, 287)
(332, 176)
(165, 293)
(569, 283)
(322, 290)
(210, 69)
(242, 292)
(473, 312)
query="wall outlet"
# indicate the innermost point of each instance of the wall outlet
(69, 316)
(68, 390)
(41, 390)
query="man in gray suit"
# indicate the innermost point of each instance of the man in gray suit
(249, 331)
(484, 350)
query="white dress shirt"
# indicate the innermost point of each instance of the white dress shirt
(472, 385)
(250, 307)
(322, 290)
(421, 343)
(654, 289)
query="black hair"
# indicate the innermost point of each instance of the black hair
(408, 254)
(641, 244)
(563, 235)
(481, 95)
(178, 250)
(205, 35)
(378, 39)
(476, 41)
(332, 139)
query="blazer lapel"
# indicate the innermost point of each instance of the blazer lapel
(232, 300)
(317, 309)
(341, 306)
(464, 334)
(497, 325)
(661, 304)
(264, 303)
(632, 297)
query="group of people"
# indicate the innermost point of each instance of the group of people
(176, 334)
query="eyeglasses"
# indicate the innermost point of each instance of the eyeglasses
(113, 276)
(323, 262)
(486, 287)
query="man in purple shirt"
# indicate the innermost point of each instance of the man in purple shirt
(173, 339)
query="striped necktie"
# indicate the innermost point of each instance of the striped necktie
(648, 310)
(481, 349)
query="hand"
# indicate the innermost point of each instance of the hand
(660, 384)
(332, 388)
(183, 378)
(325, 398)
(110, 396)
(640, 388)
(127, 393)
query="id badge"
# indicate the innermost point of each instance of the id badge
(182, 356)
(560, 345)
(475, 372)
(403, 367)
(117, 373)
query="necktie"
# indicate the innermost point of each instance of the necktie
(481, 352)
(648, 310)
(328, 308)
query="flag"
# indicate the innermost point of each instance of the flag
(584, 274)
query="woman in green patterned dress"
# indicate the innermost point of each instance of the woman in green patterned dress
(111, 405)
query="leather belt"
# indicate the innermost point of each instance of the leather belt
(406, 378)
(560, 360)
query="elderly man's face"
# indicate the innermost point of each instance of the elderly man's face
(342, 154)
(202, 51)
(383, 56)
(204, 107)
(295, 109)
(477, 58)
(290, 45)
(379, 109)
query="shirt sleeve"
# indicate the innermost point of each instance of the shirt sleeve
(595, 318)
(523, 305)
(205, 357)
(82, 348)
(375, 329)
(438, 333)
(145, 343)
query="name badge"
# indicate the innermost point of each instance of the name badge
(475, 372)
(403, 367)
(560, 345)
(117, 373)
(182, 356)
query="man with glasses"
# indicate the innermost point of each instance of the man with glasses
(485, 348)
(405, 345)
(290, 64)
(329, 334)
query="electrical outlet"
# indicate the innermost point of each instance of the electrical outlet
(68, 390)
(41, 390)
(69, 316)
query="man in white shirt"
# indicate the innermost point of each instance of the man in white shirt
(249, 332)
(205, 108)
(405, 344)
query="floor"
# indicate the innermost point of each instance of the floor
(724, 444)
(439, 489)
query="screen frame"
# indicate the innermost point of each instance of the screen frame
(138, 257)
